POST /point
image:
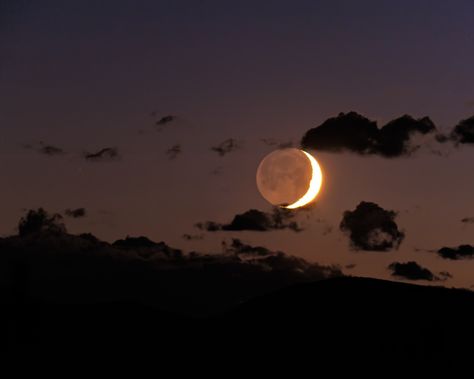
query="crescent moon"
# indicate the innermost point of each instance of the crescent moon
(314, 184)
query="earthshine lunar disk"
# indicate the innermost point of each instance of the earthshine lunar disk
(290, 178)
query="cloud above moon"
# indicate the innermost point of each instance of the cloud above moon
(255, 220)
(355, 133)
(463, 132)
(372, 228)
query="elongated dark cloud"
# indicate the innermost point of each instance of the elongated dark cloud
(226, 147)
(456, 253)
(46, 262)
(166, 120)
(51, 150)
(372, 228)
(463, 132)
(45, 149)
(412, 271)
(355, 133)
(192, 237)
(163, 121)
(105, 154)
(255, 220)
(468, 220)
(173, 152)
(75, 213)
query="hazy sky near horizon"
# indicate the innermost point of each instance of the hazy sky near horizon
(85, 75)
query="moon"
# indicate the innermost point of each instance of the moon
(289, 178)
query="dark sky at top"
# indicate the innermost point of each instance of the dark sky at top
(86, 75)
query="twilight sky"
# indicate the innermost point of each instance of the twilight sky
(86, 75)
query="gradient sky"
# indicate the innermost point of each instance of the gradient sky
(83, 75)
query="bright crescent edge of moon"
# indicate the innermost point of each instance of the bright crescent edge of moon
(314, 184)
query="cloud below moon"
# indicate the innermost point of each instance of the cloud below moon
(372, 228)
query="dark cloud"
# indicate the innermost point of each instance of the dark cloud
(39, 221)
(48, 264)
(146, 248)
(173, 151)
(276, 260)
(45, 149)
(468, 220)
(163, 121)
(463, 132)
(75, 213)
(105, 154)
(255, 220)
(356, 133)
(455, 253)
(372, 228)
(166, 120)
(51, 150)
(226, 147)
(192, 237)
(350, 266)
(412, 271)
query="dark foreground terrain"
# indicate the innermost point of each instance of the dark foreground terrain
(344, 316)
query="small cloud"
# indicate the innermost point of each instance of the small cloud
(45, 149)
(463, 132)
(255, 220)
(163, 121)
(468, 220)
(226, 147)
(75, 213)
(456, 253)
(372, 228)
(105, 154)
(173, 152)
(193, 237)
(51, 150)
(350, 266)
(412, 271)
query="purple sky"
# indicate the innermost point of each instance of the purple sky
(86, 75)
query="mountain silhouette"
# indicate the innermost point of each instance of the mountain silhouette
(346, 316)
